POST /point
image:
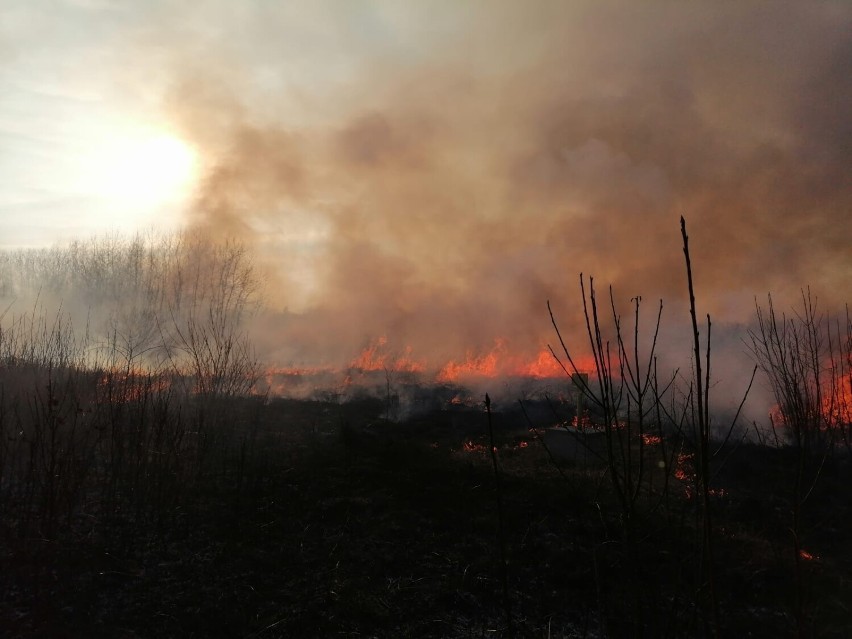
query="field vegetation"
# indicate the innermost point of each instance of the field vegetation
(148, 490)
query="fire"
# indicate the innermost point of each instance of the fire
(130, 386)
(270, 374)
(582, 423)
(544, 365)
(835, 411)
(837, 407)
(499, 361)
(282, 382)
(471, 446)
(474, 366)
(683, 468)
(379, 356)
(376, 358)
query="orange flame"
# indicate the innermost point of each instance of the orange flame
(379, 356)
(544, 365)
(473, 366)
(130, 386)
(499, 361)
(837, 407)
(836, 410)
(471, 446)
(376, 358)
(683, 468)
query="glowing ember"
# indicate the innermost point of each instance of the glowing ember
(462, 400)
(804, 554)
(471, 446)
(130, 386)
(581, 424)
(683, 468)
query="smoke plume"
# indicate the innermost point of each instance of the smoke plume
(434, 174)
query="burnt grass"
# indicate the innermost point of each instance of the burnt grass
(342, 524)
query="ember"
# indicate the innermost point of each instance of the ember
(130, 386)
(582, 423)
(472, 447)
(683, 468)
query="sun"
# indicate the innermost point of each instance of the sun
(135, 177)
(150, 169)
(132, 177)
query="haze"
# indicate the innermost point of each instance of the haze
(432, 173)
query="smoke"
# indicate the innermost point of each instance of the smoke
(434, 174)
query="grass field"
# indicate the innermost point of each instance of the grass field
(321, 519)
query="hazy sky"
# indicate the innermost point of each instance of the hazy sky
(435, 171)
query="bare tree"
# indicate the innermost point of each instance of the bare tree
(806, 359)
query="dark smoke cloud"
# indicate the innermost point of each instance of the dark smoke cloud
(435, 175)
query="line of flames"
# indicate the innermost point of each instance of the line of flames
(378, 357)
(498, 361)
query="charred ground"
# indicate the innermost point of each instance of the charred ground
(323, 518)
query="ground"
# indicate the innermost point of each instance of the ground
(343, 524)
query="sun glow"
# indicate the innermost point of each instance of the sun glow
(140, 177)
(154, 169)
